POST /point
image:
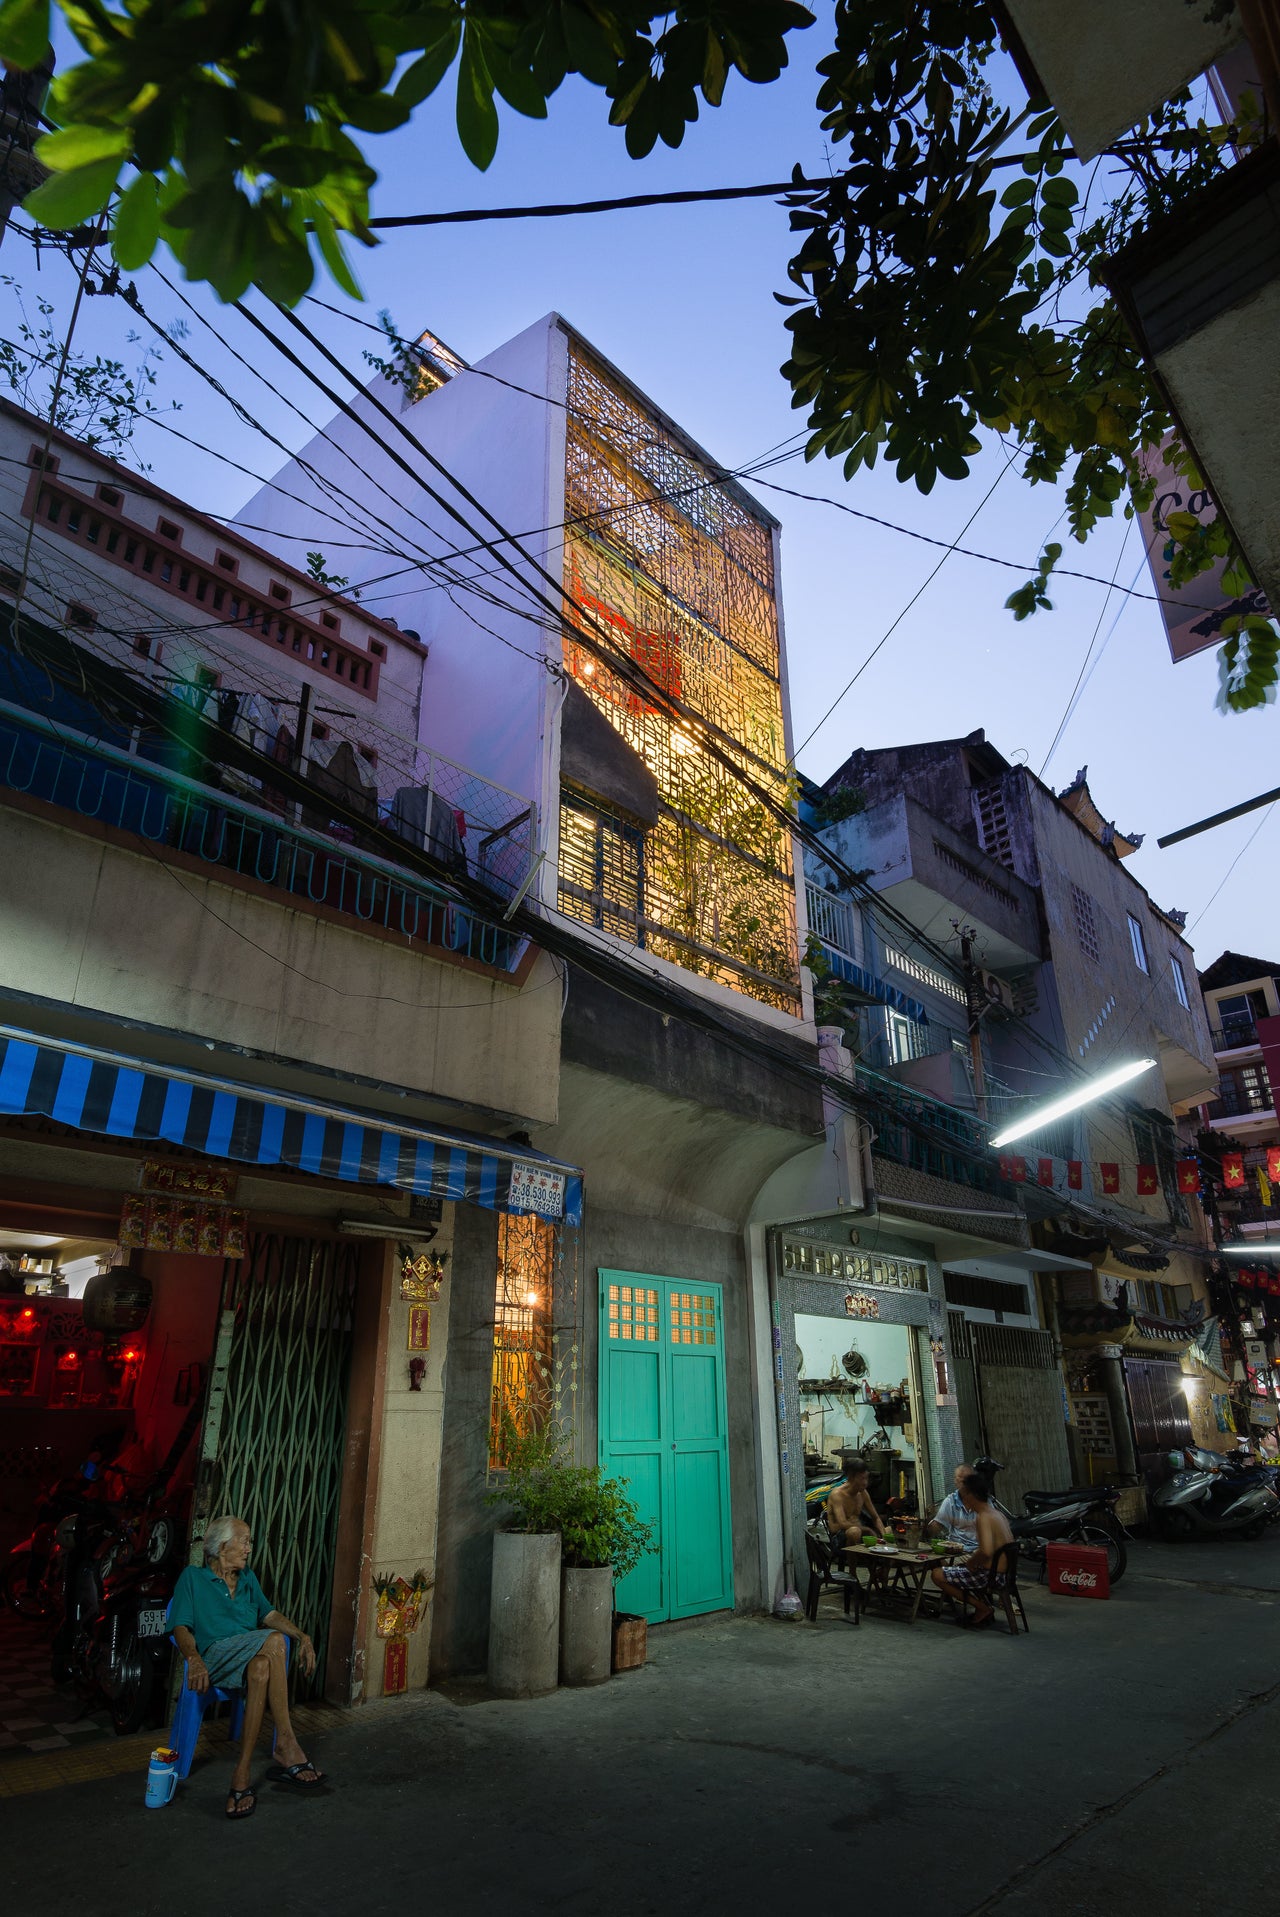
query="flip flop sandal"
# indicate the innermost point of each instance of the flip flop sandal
(980, 1623)
(288, 1774)
(236, 1815)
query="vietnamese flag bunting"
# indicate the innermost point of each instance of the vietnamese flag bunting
(1273, 1164)
(1110, 1177)
(1013, 1168)
(1044, 1172)
(1148, 1183)
(1189, 1175)
(1075, 1174)
(1233, 1170)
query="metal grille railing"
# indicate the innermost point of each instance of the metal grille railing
(105, 783)
(831, 919)
(283, 1425)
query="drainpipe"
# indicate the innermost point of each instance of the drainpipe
(780, 1407)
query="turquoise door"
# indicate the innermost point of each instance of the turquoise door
(663, 1428)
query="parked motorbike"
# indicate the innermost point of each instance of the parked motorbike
(120, 1646)
(35, 1571)
(1205, 1496)
(1084, 1514)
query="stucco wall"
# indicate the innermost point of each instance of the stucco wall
(95, 926)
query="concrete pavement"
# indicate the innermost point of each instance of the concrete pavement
(1121, 1751)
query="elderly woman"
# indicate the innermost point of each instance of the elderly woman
(231, 1636)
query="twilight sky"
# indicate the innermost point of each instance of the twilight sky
(681, 299)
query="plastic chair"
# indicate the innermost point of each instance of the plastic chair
(822, 1573)
(184, 1733)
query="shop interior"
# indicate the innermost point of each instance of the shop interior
(103, 1356)
(857, 1394)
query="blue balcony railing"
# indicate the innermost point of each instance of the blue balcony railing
(104, 782)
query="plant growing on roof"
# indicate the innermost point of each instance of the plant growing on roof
(98, 400)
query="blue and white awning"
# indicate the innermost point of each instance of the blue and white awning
(119, 1097)
(871, 987)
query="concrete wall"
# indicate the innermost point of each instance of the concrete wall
(412, 1440)
(488, 702)
(464, 1551)
(114, 931)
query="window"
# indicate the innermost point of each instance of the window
(81, 617)
(1086, 923)
(902, 1038)
(1179, 981)
(601, 869)
(522, 1394)
(110, 496)
(1138, 942)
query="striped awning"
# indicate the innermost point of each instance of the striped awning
(871, 988)
(119, 1097)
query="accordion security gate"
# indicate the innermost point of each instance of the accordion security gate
(280, 1425)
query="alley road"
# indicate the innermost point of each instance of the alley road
(1119, 1756)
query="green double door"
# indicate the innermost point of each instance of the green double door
(663, 1428)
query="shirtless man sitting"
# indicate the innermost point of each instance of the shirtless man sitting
(850, 1503)
(969, 1579)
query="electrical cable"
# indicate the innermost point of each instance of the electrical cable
(916, 595)
(1069, 708)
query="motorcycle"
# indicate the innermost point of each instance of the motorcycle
(1202, 1497)
(35, 1571)
(1084, 1514)
(120, 1649)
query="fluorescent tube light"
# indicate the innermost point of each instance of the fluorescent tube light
(1071, 1101)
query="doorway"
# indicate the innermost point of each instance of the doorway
(663, 1428)
(859, 1390)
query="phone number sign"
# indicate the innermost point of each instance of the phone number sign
(534, 1188)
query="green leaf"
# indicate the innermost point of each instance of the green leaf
(515, 83)
(375, 112)
(24, 32)
(426, 73)
(69, 199)
(74, 146)
(334, 258)
(135, 230)
(1019, 193)
(1060, 191)
(477, 115)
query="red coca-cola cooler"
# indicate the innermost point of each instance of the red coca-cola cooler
(1078, 1570)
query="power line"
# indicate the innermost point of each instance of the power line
(466, 216)
(921, 589)
(1069, 708)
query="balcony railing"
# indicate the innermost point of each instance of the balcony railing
(915, 1130)
(107, 784)
(1240, 1101)
(831, 919)
(1235, 1036)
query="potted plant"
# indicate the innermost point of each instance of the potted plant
(602, 1539)
(524, 1600)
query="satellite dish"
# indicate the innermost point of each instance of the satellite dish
(854, 1362)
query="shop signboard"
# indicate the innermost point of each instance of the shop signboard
(534, 1188)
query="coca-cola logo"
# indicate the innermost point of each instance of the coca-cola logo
(1083, 1580)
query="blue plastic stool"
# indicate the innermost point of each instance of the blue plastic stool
(184, 1733)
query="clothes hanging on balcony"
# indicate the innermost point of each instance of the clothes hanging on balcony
(428, 821)
(340, 772)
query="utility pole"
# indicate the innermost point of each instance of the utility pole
(974, 1005)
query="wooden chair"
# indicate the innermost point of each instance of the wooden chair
(823, 1572)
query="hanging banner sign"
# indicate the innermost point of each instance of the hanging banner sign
(1194, 613)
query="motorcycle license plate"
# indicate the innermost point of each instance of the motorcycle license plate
(152, 1624)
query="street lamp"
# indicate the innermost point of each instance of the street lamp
(1071, 1101)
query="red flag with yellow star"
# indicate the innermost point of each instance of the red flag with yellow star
(1110, 1177)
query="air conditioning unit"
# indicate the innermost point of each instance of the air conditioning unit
(998, 991)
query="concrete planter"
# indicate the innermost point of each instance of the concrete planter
(524, 1613)
(586, 1624)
